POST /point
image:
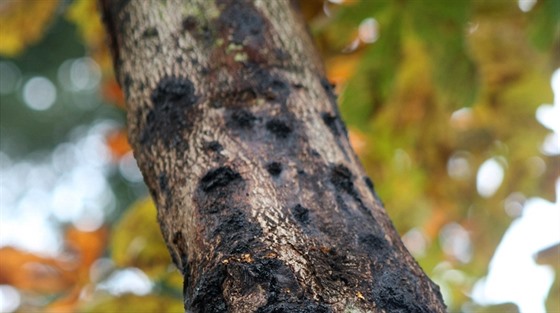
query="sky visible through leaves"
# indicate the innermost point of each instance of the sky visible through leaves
(452, 106)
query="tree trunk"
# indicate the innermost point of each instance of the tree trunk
(262, 202)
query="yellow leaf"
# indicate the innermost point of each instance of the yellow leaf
(22, 22)
(133, 303)
(137, 241)
(85, 15)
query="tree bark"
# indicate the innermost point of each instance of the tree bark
(262, 203)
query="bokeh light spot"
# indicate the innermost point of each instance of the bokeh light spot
(39, 93)
(489, 178)
(369, 30)
(9, 299)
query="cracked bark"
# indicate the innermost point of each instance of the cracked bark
(262, 203)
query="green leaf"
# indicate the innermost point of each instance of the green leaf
(371, 85)
(442, 27)
(545, 23)
(347, 19)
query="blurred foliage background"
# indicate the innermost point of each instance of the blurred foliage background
(440, 98)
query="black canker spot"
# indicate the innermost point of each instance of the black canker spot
(252, 83)
(127, 84)
(269, 86)
(342, 178)
(150, 32)
(242, 20)
(162, 182)
(236, 232)
(371, 188)
(301, 214)
(276, 90)
(219, 177)
(164, 190)
(329, 89)
(189, 23)
(207, 295)
(274, 168)
(179, 243)
(172, 90)
(241, 118)
(279, 128)
(213, 146)
(375, 246)
(396, 290)
(167, 120)
(369, 184)
(331, 122)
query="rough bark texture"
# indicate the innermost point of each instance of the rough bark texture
(262, 202)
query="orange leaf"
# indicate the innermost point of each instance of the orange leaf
(88, 246)
(66, 304)
(112, 92)
(357, 141)
(28, 271)
(118, 143)
(341, 67)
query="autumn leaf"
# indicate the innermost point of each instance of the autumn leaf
(23, 22)
(112, 92)
(87, 18)
(133, 303)
(87, 246)
(137, 241)
(118, 143)
(30, 272)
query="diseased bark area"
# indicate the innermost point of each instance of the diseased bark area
(261, 200)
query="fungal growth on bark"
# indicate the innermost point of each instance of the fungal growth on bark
(262, 203)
